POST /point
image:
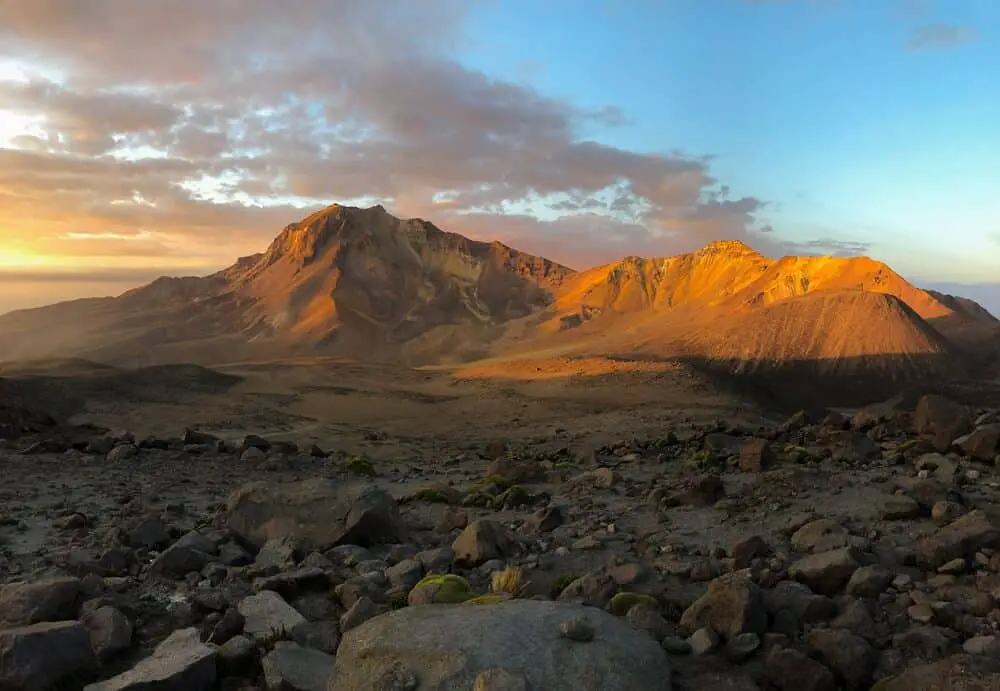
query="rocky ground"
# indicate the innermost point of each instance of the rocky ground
(827, 552)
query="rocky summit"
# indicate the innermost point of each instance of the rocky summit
(855, 551)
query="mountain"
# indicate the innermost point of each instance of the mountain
(364, 284)
(358, 282)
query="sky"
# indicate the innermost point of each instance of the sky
(169, 137)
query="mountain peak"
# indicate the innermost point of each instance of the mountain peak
(728, 248)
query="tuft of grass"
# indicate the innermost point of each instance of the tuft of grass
(561, 583)
(910, 444)
(508, 580)
(623, 601)
(361, 465)
(276, 634)
(796, 449)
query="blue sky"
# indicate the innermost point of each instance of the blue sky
(822, 109)
(583, 131)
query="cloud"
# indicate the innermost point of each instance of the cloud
(215, 142)
(936, 36)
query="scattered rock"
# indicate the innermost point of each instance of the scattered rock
(54, 599)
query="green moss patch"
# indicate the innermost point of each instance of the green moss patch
(622, 602)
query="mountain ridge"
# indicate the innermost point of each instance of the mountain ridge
(365, 284)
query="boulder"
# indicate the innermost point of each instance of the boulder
(320, 512)
(756, 455)
(482, 541)
(179, 560)
(982, 443)
(851, 657)
(53, 599)
(110, 631)
(827, 572)
(449, 646)
(732, 605)
(42, 655)
(942, 419)
(790, 670)
(290, 667)
(960, 538)
(180, 663)
(267, 614)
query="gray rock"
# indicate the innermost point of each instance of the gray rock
(500, 679)
(405, 574)
(790, 670)
(180, 663)
(731, 606)
(197, 541)
(266, 614)
(447, 646)
(179, 560)
(943, 420)
(39, 656)
(122, 452)
(849, 656)
(819, 536)
(360, 612)
(958, 673)
(54, 599)
(482, 541)
(960, 538)
(150, 533)
(869, 581)
(982, 444)
(321, 512)
(252, 455)
(899, 507)
(110, 631)
(237, 656)
(318, 635)
(290, 667)
(826, 572)
(702, 641)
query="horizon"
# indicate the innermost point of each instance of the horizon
(127, 156)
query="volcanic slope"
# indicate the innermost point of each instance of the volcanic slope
(350, 281)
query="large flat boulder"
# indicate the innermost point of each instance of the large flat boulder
(42, 655)
(555, 646)
(319, 511)
(180, 663)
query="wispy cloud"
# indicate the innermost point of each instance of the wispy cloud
(939, 36)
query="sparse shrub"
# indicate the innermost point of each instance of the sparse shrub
(622, 602)
(491, 484)
(361, 465)
(432, 495)
(276, 634)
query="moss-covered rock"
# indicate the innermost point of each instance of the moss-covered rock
(624, 601)
(438, 589)
(561, 583)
